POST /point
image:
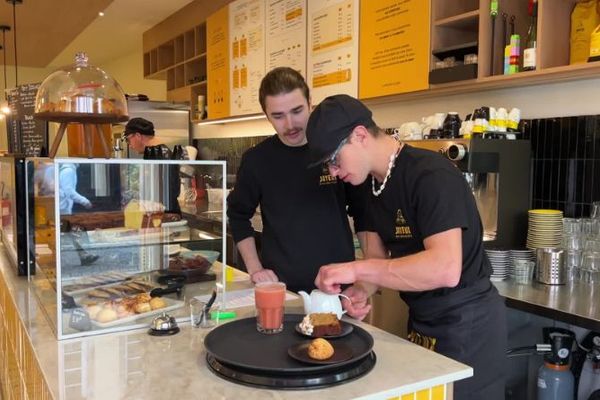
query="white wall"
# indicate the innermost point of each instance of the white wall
(549, 100)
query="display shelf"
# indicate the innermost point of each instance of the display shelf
(468, 20)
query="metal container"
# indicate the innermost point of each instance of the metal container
(551, 266)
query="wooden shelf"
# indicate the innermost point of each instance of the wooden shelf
(468, 20)
(530, 78)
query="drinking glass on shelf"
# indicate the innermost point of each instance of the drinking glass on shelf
(523, 271)
(573, 241)
(571, 226)
(595, 210)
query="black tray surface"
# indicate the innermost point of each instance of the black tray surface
(273, 380)
(239, 344)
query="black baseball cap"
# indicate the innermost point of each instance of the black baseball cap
(331, 122)
(141, 125)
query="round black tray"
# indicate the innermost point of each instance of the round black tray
(284, 381)
(238, 344)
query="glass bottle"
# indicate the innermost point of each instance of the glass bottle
(529, 54)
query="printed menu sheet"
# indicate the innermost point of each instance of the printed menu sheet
(286, 34)
(217, 64)
(394, 47)
(333, 47)
(247, 50)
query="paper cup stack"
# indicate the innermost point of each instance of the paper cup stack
(545, 229)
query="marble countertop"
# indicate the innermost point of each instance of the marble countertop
(134, 365)
(575, 303)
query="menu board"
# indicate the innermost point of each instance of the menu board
(332, 60)
(394, 47)
(26, 135)
(286, 34)
(217, 64)
(247, 49)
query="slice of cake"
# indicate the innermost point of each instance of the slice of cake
(321, 324)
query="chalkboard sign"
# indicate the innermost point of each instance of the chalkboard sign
(26, 135)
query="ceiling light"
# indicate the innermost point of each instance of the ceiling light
(101, 14)
(14, 4)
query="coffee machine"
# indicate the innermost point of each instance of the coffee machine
(498, 172)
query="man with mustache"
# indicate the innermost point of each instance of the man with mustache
(303, 210)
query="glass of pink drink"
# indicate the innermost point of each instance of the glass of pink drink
(269, 299)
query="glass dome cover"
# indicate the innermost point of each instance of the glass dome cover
(81, 93)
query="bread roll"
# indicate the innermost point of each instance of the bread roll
(320, 349)
(142, 308)
(157, 303)
(106, 315)
(93, 310)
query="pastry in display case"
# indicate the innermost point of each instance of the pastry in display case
(113, 248)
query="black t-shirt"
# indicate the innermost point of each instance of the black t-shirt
(426, 194)
(304, 211)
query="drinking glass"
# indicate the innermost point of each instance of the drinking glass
(595, 210)
(523, 271)
(573, 241)
(199, 316)
(571, 226)
(269, 298)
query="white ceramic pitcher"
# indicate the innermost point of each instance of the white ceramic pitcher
(320, 302)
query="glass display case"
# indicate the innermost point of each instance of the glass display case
(120, 243)
(13, 203)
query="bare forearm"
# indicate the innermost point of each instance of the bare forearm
(247, 249)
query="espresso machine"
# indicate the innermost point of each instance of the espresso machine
(498, 172)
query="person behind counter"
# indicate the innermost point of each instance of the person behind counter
(305, 223)
(422, 213)
(139, 134)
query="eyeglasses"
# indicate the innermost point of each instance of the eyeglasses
(332, 161)
(127, 136)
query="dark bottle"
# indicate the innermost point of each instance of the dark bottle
(529, 54)
(451, 127)
(148, 153)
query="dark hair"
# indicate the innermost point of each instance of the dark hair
(281, 80)
(139, 125)
(374, 130)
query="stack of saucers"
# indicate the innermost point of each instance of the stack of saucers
(545, 229)
(500, 261)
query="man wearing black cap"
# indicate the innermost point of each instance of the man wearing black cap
(139, 134)
(303, 211)
(422, 214)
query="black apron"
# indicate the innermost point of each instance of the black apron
(469, 326)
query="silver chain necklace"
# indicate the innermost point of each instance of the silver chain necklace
(393, 156)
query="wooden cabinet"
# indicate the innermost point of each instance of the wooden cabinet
(180, 61)
(468, 22)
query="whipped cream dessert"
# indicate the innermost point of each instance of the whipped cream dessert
(305, 326)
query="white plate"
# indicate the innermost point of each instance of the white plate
(171, 305)
(181, 222)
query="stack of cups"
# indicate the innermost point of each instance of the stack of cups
(581, 241)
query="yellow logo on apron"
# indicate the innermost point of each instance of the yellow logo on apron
(402, 228)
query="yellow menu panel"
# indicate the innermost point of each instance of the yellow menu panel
(394, 47)
(217, 63)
